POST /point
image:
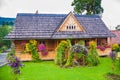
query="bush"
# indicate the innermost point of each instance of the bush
(31, 47)
(115, 61)
(69, 61)
(115, 47)
(15, 64)
(93, 58)
(60, 53)
(4, 48)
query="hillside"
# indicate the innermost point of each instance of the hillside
(8, 21)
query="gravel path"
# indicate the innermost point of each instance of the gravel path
(3, 59)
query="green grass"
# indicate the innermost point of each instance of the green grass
(47, 70)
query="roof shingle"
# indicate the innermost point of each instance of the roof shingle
(39, 26)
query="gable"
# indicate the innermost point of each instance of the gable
(70, 24)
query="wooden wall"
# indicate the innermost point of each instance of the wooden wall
(50, 46)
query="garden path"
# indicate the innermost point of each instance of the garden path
(3, 59)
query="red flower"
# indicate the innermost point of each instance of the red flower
(41, 47)
(102, 48)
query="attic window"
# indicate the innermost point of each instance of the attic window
(70, 27)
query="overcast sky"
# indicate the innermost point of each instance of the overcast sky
(10, 8)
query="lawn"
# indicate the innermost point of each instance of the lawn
(47, 70)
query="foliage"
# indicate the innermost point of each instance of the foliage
(77, 50)
(69, 61)
(31, 47)
(60, 52)
(113, 55)
(4, 30)
(93, 58)
(80, 53)
(2, 49)
(116, 47)
(81, 42)
(115, 60)
(14, 63)
(42, 48)
(90, 6)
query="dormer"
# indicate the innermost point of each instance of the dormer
(70, 24)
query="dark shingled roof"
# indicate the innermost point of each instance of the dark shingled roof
(44, 26)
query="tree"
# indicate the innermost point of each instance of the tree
(4, 30)
(118, 27)
(90, 6)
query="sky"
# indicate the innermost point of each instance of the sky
(10, 8)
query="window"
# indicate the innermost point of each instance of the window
(42, 42)
(71, 27)
(67, 27)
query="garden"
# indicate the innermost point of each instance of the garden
(71, 62)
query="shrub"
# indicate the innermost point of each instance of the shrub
(31, 47)
(78, 51)
(115, 47)
(93, 58)
(69, 61)
(15, 64)
(60, 52)
(81, 42)
(115, 61)
(113, 55)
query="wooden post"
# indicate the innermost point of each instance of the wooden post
(96, 40)
(109, 41)
(13, 44)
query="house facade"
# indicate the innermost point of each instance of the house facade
(50, 29)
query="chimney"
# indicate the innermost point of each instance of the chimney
(37, 12)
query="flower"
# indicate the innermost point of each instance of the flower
(41, 47)
(79, 48)
(102, 48)
(113, 55)
(15, 64)
(23, 43)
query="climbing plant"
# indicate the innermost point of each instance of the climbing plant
(69, 61)
(93, 58)
(14, 64)
(60, 52)
(31, 47)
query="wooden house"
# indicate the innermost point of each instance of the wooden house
(50, 29)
